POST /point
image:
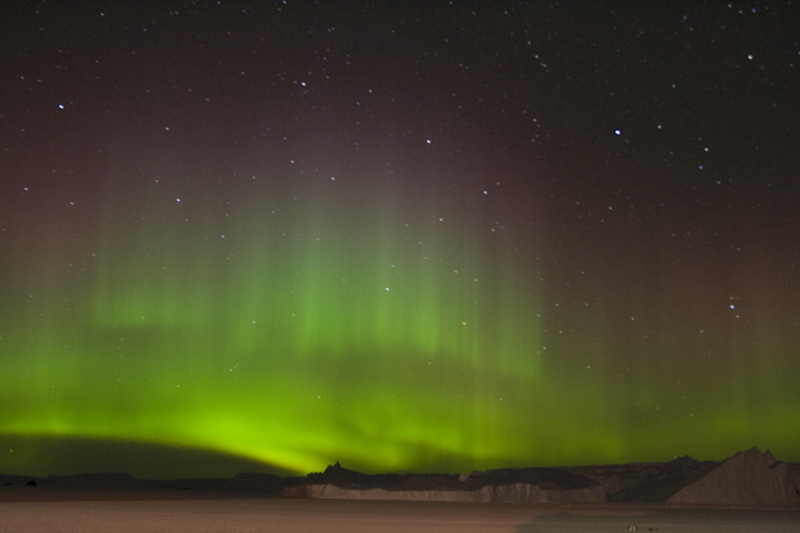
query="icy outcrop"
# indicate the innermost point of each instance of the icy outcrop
(513, 493)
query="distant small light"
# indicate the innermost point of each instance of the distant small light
(428, 141)
(178, 200)
(61, 106)
(617, 132)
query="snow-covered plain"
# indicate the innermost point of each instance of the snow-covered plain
(298, 516)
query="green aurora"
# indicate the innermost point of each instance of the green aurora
(297, 341)
(367, 342)
(442, 238)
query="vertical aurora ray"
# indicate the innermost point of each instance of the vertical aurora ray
(299, 336)
(304, 327)
(406, 240)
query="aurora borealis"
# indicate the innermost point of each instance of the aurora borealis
(428, 238)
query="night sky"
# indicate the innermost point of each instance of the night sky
(408, 236)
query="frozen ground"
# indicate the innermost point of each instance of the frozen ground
(673, 520)
(298, 516)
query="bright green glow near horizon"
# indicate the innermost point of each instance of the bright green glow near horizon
(339, 334)
(296, 343)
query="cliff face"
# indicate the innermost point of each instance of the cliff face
(514, 493)
(521, 485)
(749, 479)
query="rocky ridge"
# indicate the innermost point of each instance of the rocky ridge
(747, 479)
